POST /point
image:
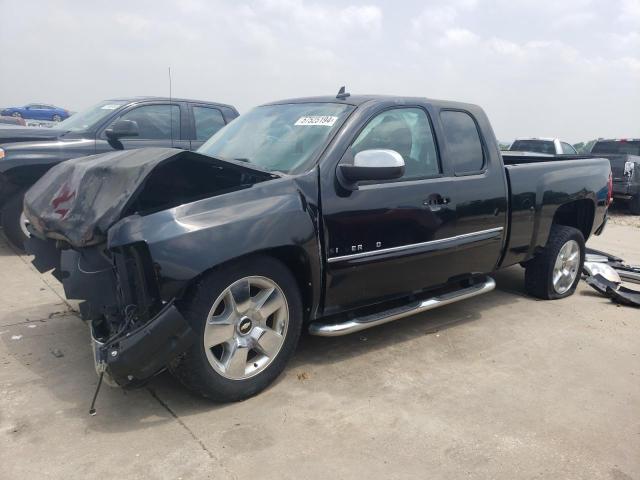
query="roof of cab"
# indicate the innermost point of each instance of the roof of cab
(175, 99)
(543, 139)
(357, 100)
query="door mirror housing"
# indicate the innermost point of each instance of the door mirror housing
(377, 164)
(121, 129)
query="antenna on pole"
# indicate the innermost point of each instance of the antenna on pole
(170, 108)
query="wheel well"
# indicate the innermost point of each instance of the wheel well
(296, 260)
(578, 214)
(24, 177)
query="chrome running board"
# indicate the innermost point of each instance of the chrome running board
(361, 323)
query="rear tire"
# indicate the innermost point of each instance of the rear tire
(555, 272)
(213, 371)
(12, 221)
(16, 114)
(634, 205)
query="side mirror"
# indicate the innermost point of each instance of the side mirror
(375, 164)
(122, 128)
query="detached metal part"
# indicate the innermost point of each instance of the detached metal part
(604, 269)
(601, 284)
(605, 274)
(626, 296)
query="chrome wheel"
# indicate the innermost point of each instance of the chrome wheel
(566, 267)
(23, 225)
(246, 327)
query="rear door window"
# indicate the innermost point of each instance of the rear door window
(463, 142)
(208, 121)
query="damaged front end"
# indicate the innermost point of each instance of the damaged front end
(136, 332)
(135, 335)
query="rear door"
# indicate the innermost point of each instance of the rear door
(445, 217)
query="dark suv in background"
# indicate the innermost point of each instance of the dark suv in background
(116, 124)
(624, 155)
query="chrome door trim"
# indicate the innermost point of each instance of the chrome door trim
(412, 246)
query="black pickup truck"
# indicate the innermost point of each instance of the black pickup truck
(333, 214)
(116, 124)
(624, 155)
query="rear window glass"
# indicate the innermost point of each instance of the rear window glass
(620, 147)
(463, 142)
(537, 146)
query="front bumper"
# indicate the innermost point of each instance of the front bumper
(128, 348)
(136, 356)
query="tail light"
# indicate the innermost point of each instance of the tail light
(628, 169)
(610, 189)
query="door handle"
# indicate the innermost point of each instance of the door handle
(436, 201)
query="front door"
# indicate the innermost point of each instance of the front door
(398, 237)
(159, 125)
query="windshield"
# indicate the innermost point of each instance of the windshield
(282, 138)
(617, 147)
(81, 121)
(538, 146)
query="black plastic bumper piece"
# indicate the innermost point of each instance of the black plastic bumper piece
(144, 352)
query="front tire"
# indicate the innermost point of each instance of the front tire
(247, 317)
(555, 272)
(16, 114)
(13, 221)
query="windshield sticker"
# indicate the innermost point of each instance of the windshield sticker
(109, 107)
(317, 121)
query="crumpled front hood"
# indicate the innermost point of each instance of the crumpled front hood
(80, 199)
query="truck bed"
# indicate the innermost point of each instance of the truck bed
(538, 186)
(516, 158)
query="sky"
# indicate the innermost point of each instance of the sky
(558, 68)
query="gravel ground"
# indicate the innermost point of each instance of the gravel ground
(619, 215)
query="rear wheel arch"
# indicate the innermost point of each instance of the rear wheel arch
(578, 214)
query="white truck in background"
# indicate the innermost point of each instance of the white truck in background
(549, 146)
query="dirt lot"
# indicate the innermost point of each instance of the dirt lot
(498, 387)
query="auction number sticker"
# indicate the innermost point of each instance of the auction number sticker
(109, 107)
(317, 121)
